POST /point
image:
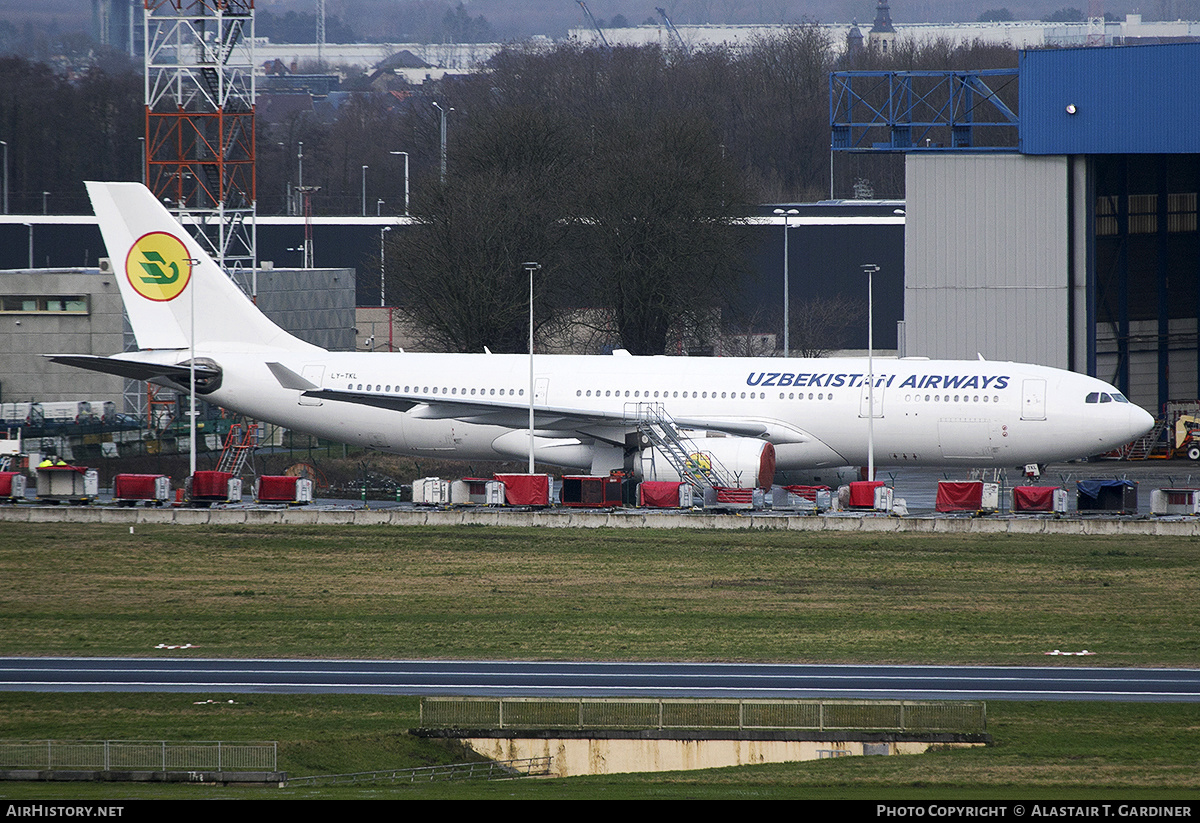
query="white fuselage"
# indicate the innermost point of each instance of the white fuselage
(754, 415)
(814, 412)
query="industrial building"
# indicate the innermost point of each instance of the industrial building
(79, 311)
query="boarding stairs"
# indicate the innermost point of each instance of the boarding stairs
(240, 442)
(698, 468)
(1144, 447)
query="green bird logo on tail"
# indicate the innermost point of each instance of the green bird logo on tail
(154, 273)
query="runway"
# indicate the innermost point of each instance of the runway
(723, 680)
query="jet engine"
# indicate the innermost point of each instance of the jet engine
(741, 462)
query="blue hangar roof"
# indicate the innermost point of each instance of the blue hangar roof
(1111, 100)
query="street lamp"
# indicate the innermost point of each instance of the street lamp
(299, 174)
(531, 268)
(30, 226)
(5, 144)
(45, 194)
(869, 269)
(383, 230)
(364, 191)
(191, 287)
(379, 207)
(443, 112)
(397, 153)
(787, 338)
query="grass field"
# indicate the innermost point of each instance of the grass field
(597, 594)
(1043, 750)
(601, 594)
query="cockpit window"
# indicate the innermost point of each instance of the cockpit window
(1094, 397)
(1104, 398)
(1120, 398)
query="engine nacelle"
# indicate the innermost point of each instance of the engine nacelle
(745, 462)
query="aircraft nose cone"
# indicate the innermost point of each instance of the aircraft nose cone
(1140, 422)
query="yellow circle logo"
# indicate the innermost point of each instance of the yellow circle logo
(158, 266)
(699, 461)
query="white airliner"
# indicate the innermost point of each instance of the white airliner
(753, 416)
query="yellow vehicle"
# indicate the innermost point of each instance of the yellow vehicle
(1187, 437)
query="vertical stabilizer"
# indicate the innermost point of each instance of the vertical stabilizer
(167, 279)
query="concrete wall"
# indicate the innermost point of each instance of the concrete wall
(986, 258)
(24, 338)
(571, 757)
(631, 519)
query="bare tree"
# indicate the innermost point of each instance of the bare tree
(820, 325)
(662, 250)
(460, 274)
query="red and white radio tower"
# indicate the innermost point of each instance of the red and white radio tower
(199, 99)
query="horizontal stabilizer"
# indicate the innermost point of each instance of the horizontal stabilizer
(133, 369)
(289, 379)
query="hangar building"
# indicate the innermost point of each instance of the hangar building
(1061, 231)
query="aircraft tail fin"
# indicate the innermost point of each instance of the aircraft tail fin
(169, 282)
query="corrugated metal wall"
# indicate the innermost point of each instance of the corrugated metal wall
(1124, 100)
(986, 257)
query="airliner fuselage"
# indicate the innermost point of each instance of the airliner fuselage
(592, 413)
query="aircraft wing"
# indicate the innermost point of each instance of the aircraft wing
(134, 369)
(511, 413)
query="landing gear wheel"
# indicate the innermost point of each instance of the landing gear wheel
(1193, 452)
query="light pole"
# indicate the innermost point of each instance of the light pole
(5, 144)
(869, 269)
(787, 336)
(30, 225)
(382, 231)
(191, 287)
(364, 191)
(379, 207)
(406, 177)
(299, 173)
(443, 112)
(45, 194)
(531, 268)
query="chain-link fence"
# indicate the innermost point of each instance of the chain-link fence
(487, 770)
(602, 713)
(154, 755)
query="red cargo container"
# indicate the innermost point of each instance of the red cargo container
(12, 485)
(210, 485)
(862, 493)
(584, 491)
(959, 496)
(807, 492)
(659, 494)
(135, 487)
(276, 489)
(1033, 498)
(526, 489)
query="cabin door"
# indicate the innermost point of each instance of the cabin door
(1033, 400)
(313, 373)
(864, 403)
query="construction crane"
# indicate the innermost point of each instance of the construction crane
(671, 28)
(595, 25)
